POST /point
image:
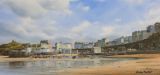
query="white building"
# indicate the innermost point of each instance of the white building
(65, 48)
(97, 50)
(28, 50)
(45, 48)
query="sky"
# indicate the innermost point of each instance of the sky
(74, 20)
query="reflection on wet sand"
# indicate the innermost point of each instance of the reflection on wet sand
(52, 66)
(17, 64)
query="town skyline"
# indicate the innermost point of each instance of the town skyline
(72, 20)
(134, 36)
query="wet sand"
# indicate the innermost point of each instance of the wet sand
(7, 59)
(150, 65)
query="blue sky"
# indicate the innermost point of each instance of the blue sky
(74, 20)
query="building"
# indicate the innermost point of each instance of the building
(87, 51)
(140, 35)
(45, 44)
(130, 39)
(157, 27)
(88, 45)
(112, 43)
(78, 45)
(64, 48)
(127, 39)
(151, 29)
(136, 36)
(45, 48)
(97, 50)
(28, 50)
(120, 40)
(83, 48)
(101, 43)
(83, 45)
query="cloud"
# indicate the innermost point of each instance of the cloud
(82, 8)
(118, 20)
(42, 19)
(81, 27)
(107, 31)
(134, 2)
(85, 8)
(74, 0)
(25, 8)
(32, 29)
(152, 14)
(56, 5)
(100, 0)
(27, 29)
(84, 31)
(35, 8)
(36, 19)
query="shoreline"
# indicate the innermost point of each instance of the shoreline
(141, 56)
(149, 65)
(7, 59)
(138, 56)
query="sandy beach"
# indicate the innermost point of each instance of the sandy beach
(149, 65)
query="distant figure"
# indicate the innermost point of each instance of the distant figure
(73, 57)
